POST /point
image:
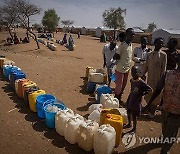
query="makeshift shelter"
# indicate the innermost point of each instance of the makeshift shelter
(165, 34)
(83, 30)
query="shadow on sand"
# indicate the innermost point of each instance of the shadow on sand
(39, 124)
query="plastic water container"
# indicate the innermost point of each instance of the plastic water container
(113, 77)
(96, 77)
(27, 92)
(41, 102)
(71, 128)
(20, 84)
(16, 85)
(61, 117)
(109, 101)
(2, 59)
(104, 97)
(87, 70)
(104, 113)
(104, 139)
(26, 86)
(50, 112)
(98, 86)
(32, 99)
(102, 90)
(123, 113)
(94, 107)
(53, 47)
(8, 62)
(14, 75)
(7, 70)
(116, 121)
(95, 115)
(91, 87)
(86, 134)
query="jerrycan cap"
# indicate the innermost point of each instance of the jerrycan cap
(103, 111)
(108, 116)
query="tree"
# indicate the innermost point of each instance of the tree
(50, 20)
(8, 16)
(151, 27)
(24, 11)
(67, 23)
(113, 18)
(20, 11)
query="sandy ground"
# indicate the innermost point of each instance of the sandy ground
(60, 73)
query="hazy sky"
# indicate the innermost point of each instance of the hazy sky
(165, 13)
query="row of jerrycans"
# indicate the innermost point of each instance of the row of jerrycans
(87, 133)
(28, 90)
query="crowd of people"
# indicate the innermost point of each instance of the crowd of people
(16, 40)
(155, 75)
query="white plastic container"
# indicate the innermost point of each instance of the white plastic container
(95, 107)
(123, 113)
(10, 62)
(16, 85)
(104, 139)
(86, 134)
(71, 128)
(109, 101)
(96, 77)
(95, 115)
(60, 120)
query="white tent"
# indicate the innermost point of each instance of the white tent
(165, 34)
(137, 30)
(83, 30)
(98, 32)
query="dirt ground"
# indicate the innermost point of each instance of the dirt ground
(60, 73)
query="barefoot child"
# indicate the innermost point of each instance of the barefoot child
(138, 89)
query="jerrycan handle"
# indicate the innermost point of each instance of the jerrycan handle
(89, 124)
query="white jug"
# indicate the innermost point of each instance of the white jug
(10, 62)
(71, 128)
(96, 77)
(95, 107)
(109, 101)
(123, 113)
(86, 134)
(104, 139)
(95, 115)
(60, 120)
(16, 85)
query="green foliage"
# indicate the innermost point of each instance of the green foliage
(113, 18)
(50, 20)
(151, 27)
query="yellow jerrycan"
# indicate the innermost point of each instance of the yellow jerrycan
(116, 121)
(32, 99)
(27, 85)
(104, 113)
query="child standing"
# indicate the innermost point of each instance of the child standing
(138, 89)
